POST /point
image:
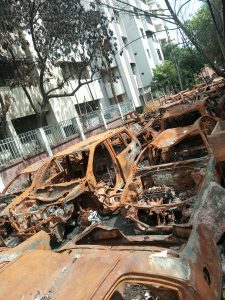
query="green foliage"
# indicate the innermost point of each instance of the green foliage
(187, 61)
(165, 76)
(202, 27)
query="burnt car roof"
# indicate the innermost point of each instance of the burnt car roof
(183, 108)
(85, 145)
(35, 166)
(171, 136)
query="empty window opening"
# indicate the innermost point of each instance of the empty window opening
(192, 147)
(103, 166)
(126, 138)
(67, 168)
(127, 291)
(182, 120)
(117, 144)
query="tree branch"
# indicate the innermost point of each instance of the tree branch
(193, 40)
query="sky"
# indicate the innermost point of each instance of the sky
(188, 10)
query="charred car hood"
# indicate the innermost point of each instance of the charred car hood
(48, 194)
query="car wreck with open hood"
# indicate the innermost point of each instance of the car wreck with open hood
(103, 263)
(169, 175)
(19, 183)
(63, 192)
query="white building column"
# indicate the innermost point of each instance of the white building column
(44, 141)
(103, 119)
(80, 128)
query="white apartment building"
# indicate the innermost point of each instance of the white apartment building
(158, 6)
(139, 52)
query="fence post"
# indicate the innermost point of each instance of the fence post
(103, 119)
(80, 128)
(2, 186)
(120, 110)
(44, 141)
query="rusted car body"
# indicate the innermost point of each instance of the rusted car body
(143, 131)
(19, 183)
(183, 115)
(170, 173)
(102, 263)
(69, 189)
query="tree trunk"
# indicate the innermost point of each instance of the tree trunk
(41, 119)
(218, 33)
(112, 85)
(223, 13)
(43, 111)
(3, 120)
(189, 34)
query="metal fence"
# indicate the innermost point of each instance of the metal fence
(111, 113)
(91, 120)
(30, 143)
(126, 107)
(58, 132)
(8, 150)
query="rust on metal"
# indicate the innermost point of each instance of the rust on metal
(133, 213)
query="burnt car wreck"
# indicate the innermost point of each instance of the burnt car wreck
(63, 192)
(170, 174)
(136, 212)
(169, 266)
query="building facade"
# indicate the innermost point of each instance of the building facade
(138, 53)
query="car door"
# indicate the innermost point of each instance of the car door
(126, 149)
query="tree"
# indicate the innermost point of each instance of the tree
(194, 39)
(202, 27)
(165, 76)
(182, 64)
(8, 39)
(61, 31)
(187, 60)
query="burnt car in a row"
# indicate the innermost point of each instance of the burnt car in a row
(103, 263)
(169, 175)
(19, 183)
(63, 191)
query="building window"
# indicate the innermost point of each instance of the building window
(125, 40)
(136, 13)
(133, 67)
(26, 123)
(149, 34)
(74, 70)
(119, 99)
(148, 18)
(9, 70)
(149, 55)
(142, 33)
(87, 107)
(116, 15)
(114, 73)
(159, 54)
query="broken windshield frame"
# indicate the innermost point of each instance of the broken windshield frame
(65, 168)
